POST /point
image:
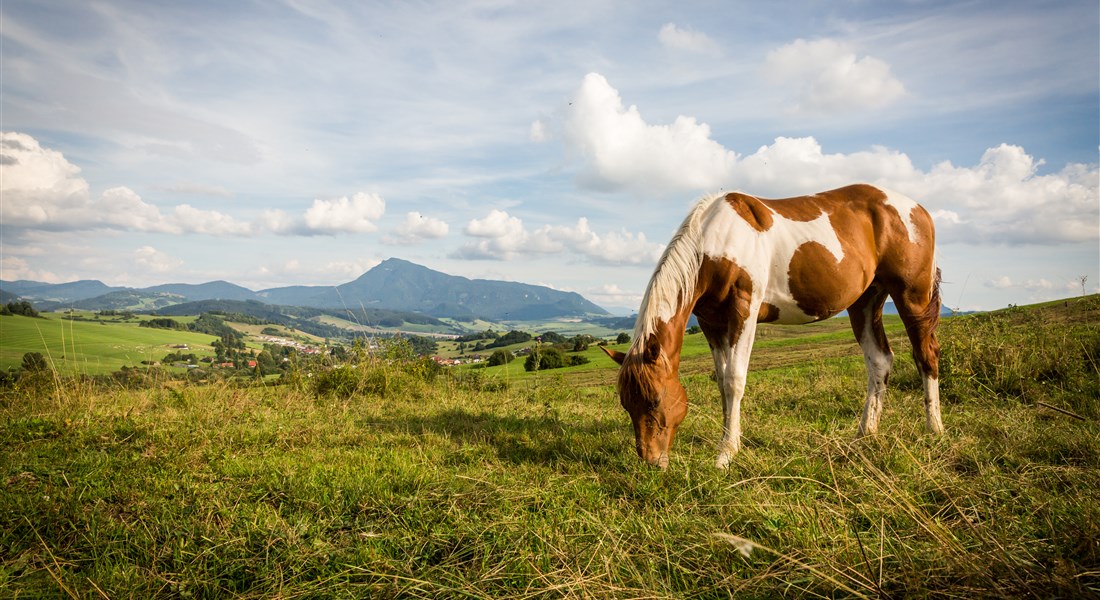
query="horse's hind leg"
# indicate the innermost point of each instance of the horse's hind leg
(866, 318)
(919, 307)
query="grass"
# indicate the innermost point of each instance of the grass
(89, 347)
(453, 488)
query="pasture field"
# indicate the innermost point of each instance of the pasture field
(88, 347)
(776, 346)
(472, 485)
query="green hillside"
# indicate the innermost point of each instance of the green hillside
(89, 347)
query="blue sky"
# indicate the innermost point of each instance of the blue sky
(557, 143)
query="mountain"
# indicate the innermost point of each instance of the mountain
(58, 292)
(214, 290)
(397, 284)
(393, 285)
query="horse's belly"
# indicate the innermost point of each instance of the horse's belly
(787, 313)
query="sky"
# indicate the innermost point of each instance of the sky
(554, 143)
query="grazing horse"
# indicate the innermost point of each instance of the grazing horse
(738, 260)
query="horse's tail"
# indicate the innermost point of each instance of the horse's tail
(931, 314)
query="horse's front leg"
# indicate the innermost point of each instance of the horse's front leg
(731, 364)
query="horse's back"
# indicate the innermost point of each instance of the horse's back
(812, 257)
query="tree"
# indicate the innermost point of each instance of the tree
(21, 307)
(501, 357)
(34, 362)
(423, 346)
(694, 329)
(544, 358)
(553, 337)
(266, 362)
(623, 338)
(163, 323)
(512, 337)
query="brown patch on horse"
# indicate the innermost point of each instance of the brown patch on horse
(808, 208)
(728, 292)
(823, 286)
(751, 209)
(768, 313)
(795, 209)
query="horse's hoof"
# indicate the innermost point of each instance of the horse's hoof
(724, 460)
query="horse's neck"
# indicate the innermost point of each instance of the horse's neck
(670, 335)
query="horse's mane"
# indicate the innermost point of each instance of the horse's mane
(673, 280)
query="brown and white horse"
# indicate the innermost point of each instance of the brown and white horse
(738, 260)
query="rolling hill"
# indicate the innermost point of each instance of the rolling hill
(393, 285)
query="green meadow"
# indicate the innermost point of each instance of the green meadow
(498, 483)
(89, 347)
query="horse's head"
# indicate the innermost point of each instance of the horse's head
(650, 390)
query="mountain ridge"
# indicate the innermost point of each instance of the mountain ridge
(394, 284)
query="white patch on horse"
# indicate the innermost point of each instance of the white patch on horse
(904, 205)
(766, 255)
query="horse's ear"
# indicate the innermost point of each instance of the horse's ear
(652, 349)
(614, 354)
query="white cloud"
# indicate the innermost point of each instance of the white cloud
(416, 228)
(1002, 199)
(504, 237)
(14, 267)
(345, 215)
(39, 186)
(620, 150)
(621, 247)
(122, 208)
(42, 190)
(278, 221)
(678, 38)
(612, 295)
(212, 222)
(497, 224)
(537, 133)
(155, 260)
(1042, 284)
(830, 78)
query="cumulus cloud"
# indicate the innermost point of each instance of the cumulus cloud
(42, 190)
(830, 78)
(679, 38)
(416, 228)
(504, 237)
(155, 260)
(356, 214)
(997, 200)
(619, 149)
(14, 267)
(1003, 199)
